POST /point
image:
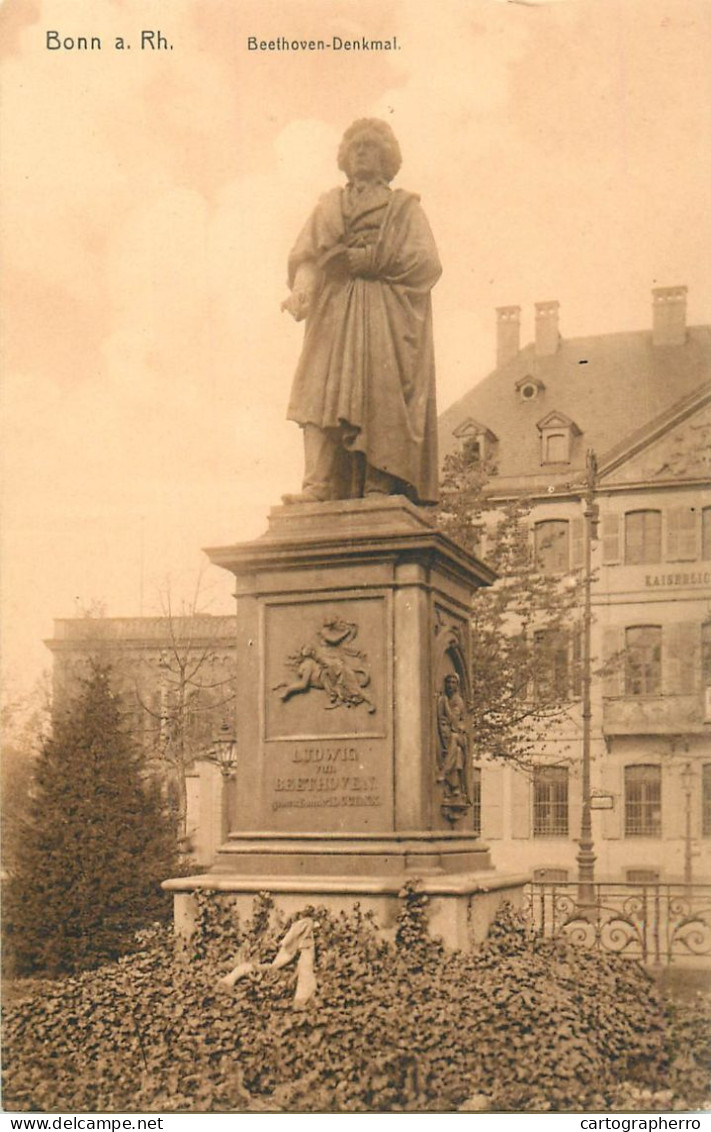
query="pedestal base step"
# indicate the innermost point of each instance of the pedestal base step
(461, 905)
(420, 854)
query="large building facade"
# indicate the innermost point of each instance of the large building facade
(641, 402)
(175, 680)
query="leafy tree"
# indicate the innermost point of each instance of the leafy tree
(95, 844)
(197, 692)
(526, 664)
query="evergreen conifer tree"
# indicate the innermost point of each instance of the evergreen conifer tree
(94, 847)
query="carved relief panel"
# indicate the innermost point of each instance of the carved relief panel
(453, 761)
(326, 758)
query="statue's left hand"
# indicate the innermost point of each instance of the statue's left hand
(297, 304)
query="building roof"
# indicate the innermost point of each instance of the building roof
(156, 632)
(609, 386)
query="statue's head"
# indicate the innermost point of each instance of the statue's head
(375, 136)
(451, 683)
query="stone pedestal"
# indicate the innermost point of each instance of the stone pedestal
(350, 617)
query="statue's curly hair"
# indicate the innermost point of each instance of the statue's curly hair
(389, 148)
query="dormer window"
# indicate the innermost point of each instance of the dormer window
(529, 387)
(557, 435)
(478, 441)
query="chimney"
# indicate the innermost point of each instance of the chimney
(508, 334)
(669, 316)
(547, 333)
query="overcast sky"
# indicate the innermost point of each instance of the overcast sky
(561, 150)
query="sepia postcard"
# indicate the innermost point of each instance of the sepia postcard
(267, 265)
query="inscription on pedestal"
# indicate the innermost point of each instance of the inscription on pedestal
(338, 786)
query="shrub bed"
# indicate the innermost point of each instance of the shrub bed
(398, 1025)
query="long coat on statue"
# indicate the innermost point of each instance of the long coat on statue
(367, 364)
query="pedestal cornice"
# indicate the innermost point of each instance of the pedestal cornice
(308, 536)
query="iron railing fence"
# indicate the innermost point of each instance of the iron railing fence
(655, 923)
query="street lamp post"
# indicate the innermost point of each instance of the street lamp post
(586, 855)
(224, 755)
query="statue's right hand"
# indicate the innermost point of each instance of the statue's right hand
(297, 305)
(360, 260)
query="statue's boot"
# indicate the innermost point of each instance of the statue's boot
(304, 497)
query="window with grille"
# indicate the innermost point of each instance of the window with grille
(476, 800)
(643, 801)
(552, 548)
(706, 800)
(550, 801)
(643, 660)
(643, 537)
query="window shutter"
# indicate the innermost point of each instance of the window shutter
(520, 804)
(681, 658)
(613, 643)
(613, 783)
(697, 793)
(577, 546)
(610, 539)
(673, 803)
(682, 534)
(706, 533)
(703, 803)
(492, 802)
(690, 648)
